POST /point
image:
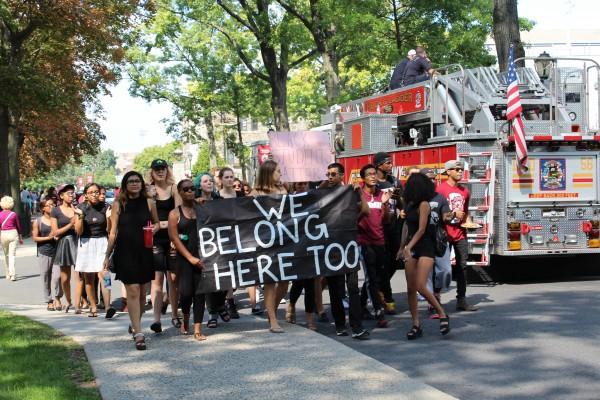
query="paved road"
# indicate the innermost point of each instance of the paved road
(535, 336)
(240, 360)
(528, 341)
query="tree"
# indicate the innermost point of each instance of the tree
(281, 45)
(203, 161)
(506, 32)
(56, 58)
(101, 166)
(142, 161)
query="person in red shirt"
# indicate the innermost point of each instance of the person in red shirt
(371, 239)
(458, 199)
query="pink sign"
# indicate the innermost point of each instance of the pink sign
(302, 156)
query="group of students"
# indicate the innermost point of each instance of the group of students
(150, 235)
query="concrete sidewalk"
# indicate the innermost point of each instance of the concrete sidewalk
(240, 360)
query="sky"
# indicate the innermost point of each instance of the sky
(131, 124)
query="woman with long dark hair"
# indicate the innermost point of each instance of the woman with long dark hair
(133, 217)
(419, 251)
(93, 240)
(163, 190)
(268, 183)
(66, 248)
(184, 235)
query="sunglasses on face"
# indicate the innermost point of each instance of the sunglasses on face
(157, 169)
(187, 189)
(457, 169)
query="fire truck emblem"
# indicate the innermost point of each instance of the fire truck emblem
(387, 109)
(552, 174)
(418, 100)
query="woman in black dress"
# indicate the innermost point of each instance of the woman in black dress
(132, 257)
(184, 235)
(419, 252)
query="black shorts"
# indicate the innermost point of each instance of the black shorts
(424, 248)
(163, 259)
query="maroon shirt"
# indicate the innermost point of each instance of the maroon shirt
(370, 227)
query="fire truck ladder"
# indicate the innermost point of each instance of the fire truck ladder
(480, 176)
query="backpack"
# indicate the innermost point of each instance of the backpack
(441, 240)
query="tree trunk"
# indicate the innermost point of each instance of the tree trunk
(397, 35)
(238, 127)
(506, 32)
(212, 146)
(332, 79)
(279, 102)
(4, 161)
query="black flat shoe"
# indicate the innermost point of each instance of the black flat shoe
(156, 327)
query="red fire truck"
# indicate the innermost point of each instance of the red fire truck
(551, 209)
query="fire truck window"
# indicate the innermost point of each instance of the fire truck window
(573, 97)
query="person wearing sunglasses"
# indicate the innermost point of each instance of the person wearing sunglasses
(458, 199)
(132, 256)
(66, 247)
(183, 232)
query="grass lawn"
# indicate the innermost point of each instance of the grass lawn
(37, 362)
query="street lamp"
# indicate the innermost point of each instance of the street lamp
(543, 65)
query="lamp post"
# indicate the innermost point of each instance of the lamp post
(543, 65)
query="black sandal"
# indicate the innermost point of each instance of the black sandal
(225, 315)
(414, 333)
(140, 341)
(156, 327)
(445, 325)
(212, 323)
(176, 322)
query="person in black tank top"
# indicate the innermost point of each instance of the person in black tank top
(183, 232)
(42, 233)
(419, 251)
(132, 259)
(163, 190)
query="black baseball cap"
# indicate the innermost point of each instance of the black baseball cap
(159, 164)
(381, 158)
(64, 187)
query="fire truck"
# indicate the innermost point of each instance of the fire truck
(551, 208)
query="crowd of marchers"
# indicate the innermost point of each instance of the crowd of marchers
(147, 240)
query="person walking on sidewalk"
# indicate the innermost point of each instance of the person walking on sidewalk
(66, 247)
(43, 235)
(10, 235)
(371, 239)
(132, 257)
(268, 183)
(419, 252)
(183, 232)
(458, 199)
(163, 190)
(93, 240)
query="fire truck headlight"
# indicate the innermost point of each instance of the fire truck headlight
(527, 214)
(580, 212)
(573, 116)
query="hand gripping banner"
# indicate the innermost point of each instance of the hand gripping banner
(250, 241)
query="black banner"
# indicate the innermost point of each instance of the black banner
(249, 241)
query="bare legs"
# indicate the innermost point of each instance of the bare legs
(65, 282)
(156, 294)
(135, 304)
(417, 272)
(173, 294)
(271, 304)
(88, 279)
(252, 296)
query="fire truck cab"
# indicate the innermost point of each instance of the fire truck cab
(552, 208)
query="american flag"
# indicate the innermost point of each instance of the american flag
(514, 109)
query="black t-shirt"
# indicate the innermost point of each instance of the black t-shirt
(416, 67)
(439, 206)
(398, 74)
(94, 220)
(62, 220)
